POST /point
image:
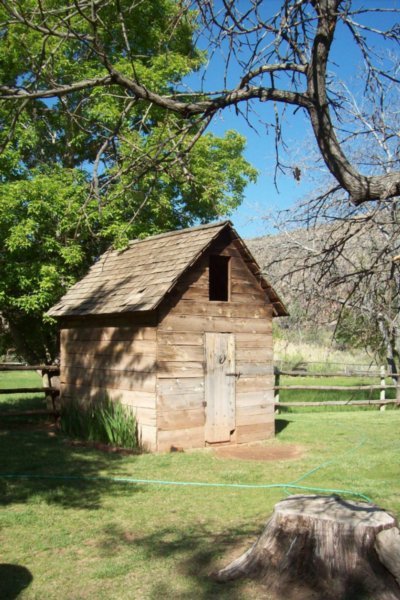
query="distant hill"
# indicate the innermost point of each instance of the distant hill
(339, 278)
(331, 262)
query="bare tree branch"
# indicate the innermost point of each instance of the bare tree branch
(292, 46)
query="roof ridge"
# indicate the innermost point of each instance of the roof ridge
(180, 231)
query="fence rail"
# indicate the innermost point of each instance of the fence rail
(382, 402)
(49, 368)
(50, 387)
(337, 403)
(29, 390)
(312, 366)
(364, 374)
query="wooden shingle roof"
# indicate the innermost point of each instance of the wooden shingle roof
(139, 277)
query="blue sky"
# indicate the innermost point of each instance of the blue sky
(263, 198)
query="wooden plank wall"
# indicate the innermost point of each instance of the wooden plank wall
(180, 356)
(113, 358)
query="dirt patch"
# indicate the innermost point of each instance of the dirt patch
(101, 447)
(273, 452)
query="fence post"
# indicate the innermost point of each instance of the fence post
(277, 374)
(46, 384)
(383, 385)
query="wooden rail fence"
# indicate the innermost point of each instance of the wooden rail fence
(50, 387)
(382, 402)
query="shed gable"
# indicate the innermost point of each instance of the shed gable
(139, 278)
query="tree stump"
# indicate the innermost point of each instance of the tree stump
(324, 548)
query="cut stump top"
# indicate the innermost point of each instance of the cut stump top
(336, 509)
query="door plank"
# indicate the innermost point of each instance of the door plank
(219, 386)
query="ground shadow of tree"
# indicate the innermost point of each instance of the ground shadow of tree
(14, 579)
(23, 403)
(196, 553)
(48, 457)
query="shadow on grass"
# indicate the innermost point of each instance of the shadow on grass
(195, 552)
(42, 452)
(21, 402)
(280, 425)
(13, 580)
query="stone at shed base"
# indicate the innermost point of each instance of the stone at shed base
(324, 548)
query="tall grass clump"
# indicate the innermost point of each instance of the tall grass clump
(105, 421)
(290, 355)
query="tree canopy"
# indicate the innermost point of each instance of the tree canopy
(95, 167)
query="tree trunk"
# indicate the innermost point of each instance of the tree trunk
(324, 548)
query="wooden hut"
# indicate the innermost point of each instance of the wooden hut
(178, 327)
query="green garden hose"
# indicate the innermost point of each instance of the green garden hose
(184, 483)
(291, 485)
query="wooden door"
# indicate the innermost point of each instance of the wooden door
(219, 386)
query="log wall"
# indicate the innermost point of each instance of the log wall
(180, 355)
(114, 357)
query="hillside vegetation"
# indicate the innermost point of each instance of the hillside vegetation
(342, 290)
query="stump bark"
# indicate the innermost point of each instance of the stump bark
(324, 548)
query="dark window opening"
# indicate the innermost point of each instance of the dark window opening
(219, 278)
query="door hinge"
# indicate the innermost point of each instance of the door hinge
(233, 374)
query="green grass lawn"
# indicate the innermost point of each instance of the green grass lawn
(89, 539)
(20, 379)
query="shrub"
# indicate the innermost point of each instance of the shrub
(104, 421)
